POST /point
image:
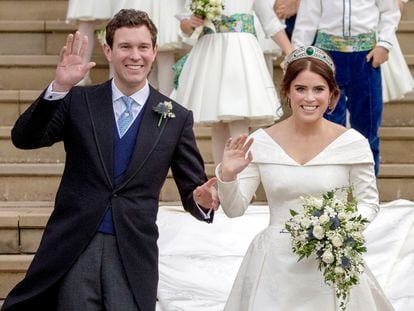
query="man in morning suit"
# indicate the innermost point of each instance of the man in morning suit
(99, 249)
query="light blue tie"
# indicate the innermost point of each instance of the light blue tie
(126, 117)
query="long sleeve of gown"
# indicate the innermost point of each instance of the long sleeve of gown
(363, 180)
(235, 196)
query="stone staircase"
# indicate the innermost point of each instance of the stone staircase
(31, 35)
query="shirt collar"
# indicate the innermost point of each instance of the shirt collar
(140, 97)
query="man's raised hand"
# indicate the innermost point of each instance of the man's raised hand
(70, 68)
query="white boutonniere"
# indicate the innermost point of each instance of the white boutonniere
(165, 111)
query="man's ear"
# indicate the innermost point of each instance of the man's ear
(108, 52)
(155, 51)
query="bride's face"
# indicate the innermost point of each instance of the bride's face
(309, 96)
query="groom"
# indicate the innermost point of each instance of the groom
(99, 249)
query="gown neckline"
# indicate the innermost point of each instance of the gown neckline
(327, 147)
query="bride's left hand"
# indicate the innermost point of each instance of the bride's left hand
(236, 157)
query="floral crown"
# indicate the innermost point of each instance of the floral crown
(311, 52)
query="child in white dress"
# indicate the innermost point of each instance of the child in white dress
(225, 80)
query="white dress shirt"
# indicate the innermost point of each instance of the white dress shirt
(345, 18)
(139, 97)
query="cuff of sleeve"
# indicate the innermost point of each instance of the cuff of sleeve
(53, 95)
(203, 213)
(367, 212)
(274, 27)
(385, 44)
(218, 175)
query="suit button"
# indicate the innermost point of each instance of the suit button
(115, 195)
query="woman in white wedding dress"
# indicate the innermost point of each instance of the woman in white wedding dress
(302, 155)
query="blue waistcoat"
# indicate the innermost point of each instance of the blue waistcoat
(123, 149)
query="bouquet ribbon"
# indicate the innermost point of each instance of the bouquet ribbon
(197, 32)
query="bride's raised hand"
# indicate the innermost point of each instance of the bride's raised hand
(236, 157)
(70, 68)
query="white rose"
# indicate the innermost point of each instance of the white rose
(357, 235)
(328, 257)
(342, 216)
(297, 218)
(318, 232)
(210, 16)
(323, 219)
(337, 241)
(305, 223)
(349, 226)
(339, 270)
(303, 238)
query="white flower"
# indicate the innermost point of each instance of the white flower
(328, 257)
(297, 218)
(349, 226)
(318, 232)
(339, 270)
(323, 219)
(305, 223)
(342, 216)
(337, 241)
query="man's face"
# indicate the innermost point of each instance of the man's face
(131, 55)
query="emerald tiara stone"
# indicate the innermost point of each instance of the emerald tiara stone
(309, 51)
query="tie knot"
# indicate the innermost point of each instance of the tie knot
(128, 102)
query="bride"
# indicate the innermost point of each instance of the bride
(302, 155)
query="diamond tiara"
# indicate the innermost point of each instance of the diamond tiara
(309, 51)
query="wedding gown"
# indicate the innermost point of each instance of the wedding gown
(270, 276)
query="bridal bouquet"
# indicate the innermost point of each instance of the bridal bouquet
(331, 230)
(209, 10)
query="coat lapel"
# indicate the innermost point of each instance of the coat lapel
(148, 136)
(102, 115)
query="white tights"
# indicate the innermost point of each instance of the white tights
(221, 132)
(87, 28)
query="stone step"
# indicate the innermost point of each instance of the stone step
(33, 10)
(34, 72)
(12, 270)
(408, 12)
(399, 112)
(46, 37)
(56, 153)
(39, 182)
(37, 37)
(397, 146)
(405, 36)
(22, 225)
